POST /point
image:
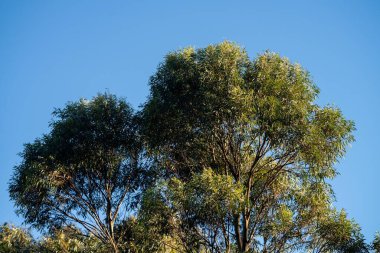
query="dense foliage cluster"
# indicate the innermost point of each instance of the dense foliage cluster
(228, 154)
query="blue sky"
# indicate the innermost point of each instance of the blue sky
(52, 52)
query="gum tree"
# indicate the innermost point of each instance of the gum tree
(255, 124)
(86, 171)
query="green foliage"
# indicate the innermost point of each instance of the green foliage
(255, 125)
(209, 195)
(335, 233)
(376, 243)
(153, 230)
(228, 154)
(66, 240)
(15, 240)
(138, 237)
(71, 240)
(85, 171)
(207, 199)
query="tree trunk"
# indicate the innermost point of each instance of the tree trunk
(115, 248)
(245, 231)
(110, 224)
(241, 235)
(237, 232)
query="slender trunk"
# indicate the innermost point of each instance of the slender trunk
(246, 218)
(110, 224)
(115, 247)
(228, 248)
(245, 238)
(237, 232)
(109, 218)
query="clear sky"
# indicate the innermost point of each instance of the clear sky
(52, 52)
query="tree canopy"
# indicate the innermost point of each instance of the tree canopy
(86, 171)
(216, 116)
(228, 154)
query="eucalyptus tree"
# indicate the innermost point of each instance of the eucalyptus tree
(245, 147)
(87, 171)
(242, 153)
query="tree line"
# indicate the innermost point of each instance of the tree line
(228, 154)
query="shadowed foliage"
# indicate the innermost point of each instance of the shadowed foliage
(86, 171)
